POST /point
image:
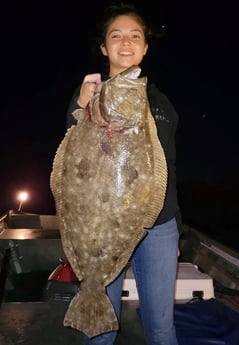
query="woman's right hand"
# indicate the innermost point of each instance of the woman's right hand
(88, 87)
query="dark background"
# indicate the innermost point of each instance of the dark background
(46, 49)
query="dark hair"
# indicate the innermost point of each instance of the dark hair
(115, 10)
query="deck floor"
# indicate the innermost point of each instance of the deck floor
(28, 316)
(41, 323)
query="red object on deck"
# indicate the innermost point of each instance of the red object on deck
(63, 273)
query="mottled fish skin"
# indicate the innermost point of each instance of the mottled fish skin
(108, 179)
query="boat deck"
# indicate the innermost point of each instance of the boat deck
(40, 323)
(30, 316)
(27, 317)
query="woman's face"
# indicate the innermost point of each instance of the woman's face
(124, 44)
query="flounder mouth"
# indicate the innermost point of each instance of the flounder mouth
(131, 73)
(134, 73)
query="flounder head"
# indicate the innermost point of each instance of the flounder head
(123, 99)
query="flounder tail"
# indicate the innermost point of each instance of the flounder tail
(92, 313)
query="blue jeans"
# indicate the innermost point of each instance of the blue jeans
(154, 263)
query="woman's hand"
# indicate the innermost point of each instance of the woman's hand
(88, 87)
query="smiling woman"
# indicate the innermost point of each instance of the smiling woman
(124, 44)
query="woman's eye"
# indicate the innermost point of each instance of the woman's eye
(116, 36)
(135, 37)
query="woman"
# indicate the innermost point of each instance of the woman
(124, 42)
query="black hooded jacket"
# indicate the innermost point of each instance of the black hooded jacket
(166, 119)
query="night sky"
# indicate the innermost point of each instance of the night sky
(46, 49)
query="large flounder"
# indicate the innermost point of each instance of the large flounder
(108, 179)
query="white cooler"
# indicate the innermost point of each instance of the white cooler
(190, 282)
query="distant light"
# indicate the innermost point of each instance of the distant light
(22, 197)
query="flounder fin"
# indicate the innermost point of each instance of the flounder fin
(160, 174)
(57, 170)
(56, 188)
(92, 313)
